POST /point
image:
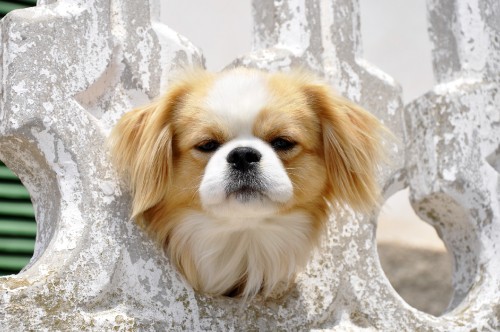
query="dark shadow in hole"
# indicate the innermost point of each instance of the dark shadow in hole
(422, 277)
(494, 159)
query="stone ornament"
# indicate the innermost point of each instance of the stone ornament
(70, 69)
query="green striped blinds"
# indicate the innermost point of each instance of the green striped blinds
(17, 217)
(17, 223)
(7, 6)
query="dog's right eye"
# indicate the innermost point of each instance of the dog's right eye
(208, 146)
(282, 144)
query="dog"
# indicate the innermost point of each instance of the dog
(235, 173)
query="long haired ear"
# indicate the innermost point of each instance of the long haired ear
(141, 147)
(352, 148)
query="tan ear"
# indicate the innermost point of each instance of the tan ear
(352, 148)
(141, 146)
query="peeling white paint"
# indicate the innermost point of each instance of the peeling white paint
(20, 88)
(294, 33)
(455, 86)
(474, 48)
(450, 174)
(48, 107)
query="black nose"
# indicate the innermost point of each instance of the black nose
(243, 158)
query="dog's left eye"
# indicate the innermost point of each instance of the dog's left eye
(208, 146)
(282, 144)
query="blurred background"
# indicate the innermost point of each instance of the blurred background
(394, 39)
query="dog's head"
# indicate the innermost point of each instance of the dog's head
(242, 147)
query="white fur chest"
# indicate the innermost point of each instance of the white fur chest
(217, 256)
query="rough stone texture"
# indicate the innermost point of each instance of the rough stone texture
(453, 149)
(71, 68)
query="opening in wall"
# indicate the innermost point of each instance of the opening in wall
(413, 256)
(17, 216)
(221, 28)
(17, 223)
(394, 36)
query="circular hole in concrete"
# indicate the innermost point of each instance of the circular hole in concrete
(413, 256)
(17, 216)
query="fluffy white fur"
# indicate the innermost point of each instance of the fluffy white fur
(272, 250)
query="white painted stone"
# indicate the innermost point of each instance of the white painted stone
(70, 69)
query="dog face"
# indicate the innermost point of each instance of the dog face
(234, 173)
(258, 147)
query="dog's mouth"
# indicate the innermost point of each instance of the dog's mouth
(246, 193)
(246, 187)
(249, 197)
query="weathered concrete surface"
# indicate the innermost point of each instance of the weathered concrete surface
(71, 68)
(453, 143)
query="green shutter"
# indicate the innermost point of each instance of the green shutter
(7, 6)
(17, 223)
(17, 217)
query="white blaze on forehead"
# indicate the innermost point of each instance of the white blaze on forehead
(237, 98)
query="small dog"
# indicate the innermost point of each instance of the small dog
(235, 173)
